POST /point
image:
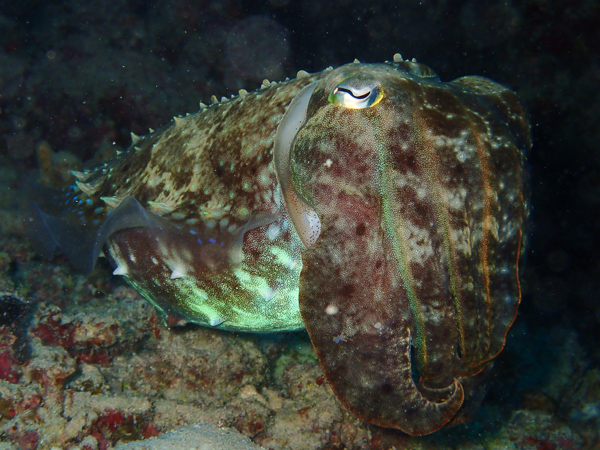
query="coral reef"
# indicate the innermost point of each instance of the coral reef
(86, 363)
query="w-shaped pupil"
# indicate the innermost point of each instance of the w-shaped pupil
(348, 91)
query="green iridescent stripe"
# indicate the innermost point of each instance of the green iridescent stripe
(390, 219)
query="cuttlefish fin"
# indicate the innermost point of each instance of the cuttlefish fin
(79, 241)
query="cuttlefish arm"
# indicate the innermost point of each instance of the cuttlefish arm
(370, 369)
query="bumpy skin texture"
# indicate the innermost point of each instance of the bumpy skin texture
(414, 199)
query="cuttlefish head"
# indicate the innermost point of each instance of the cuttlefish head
(383, 178)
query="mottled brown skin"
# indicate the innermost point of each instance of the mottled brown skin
(203, 173)
(418, 256)
(412, 284)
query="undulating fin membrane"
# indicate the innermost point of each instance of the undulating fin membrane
(35, 229)
(37, 232)
(77, 240)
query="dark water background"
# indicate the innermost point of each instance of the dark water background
(77, 76)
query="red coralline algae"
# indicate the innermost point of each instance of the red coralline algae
(114, 425)
(88, 339)
(28, 440)
(149, 431)
(9, 370)
(111, 419)
(9, 366)
(52, 331)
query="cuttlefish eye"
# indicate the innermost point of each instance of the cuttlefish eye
(350, 95)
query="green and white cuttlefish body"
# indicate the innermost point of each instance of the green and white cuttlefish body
(373, 204)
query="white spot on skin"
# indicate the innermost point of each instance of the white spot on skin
(175, 274)
(267, 196)
(277, 197)
(121, 269)
(283, 257)
(504, 269)
(332, 310)
(456, 203)
(420, 247)
(378, 325)
(264, 177)
(216, 321)
(154, 260)
(179, 270)
(339, 339)
(273, 231)
(328, 163)
(270, 294)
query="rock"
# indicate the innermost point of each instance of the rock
(202, 436)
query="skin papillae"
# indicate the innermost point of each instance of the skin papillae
(373, 204)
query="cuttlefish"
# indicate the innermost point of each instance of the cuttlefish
(374, 205)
